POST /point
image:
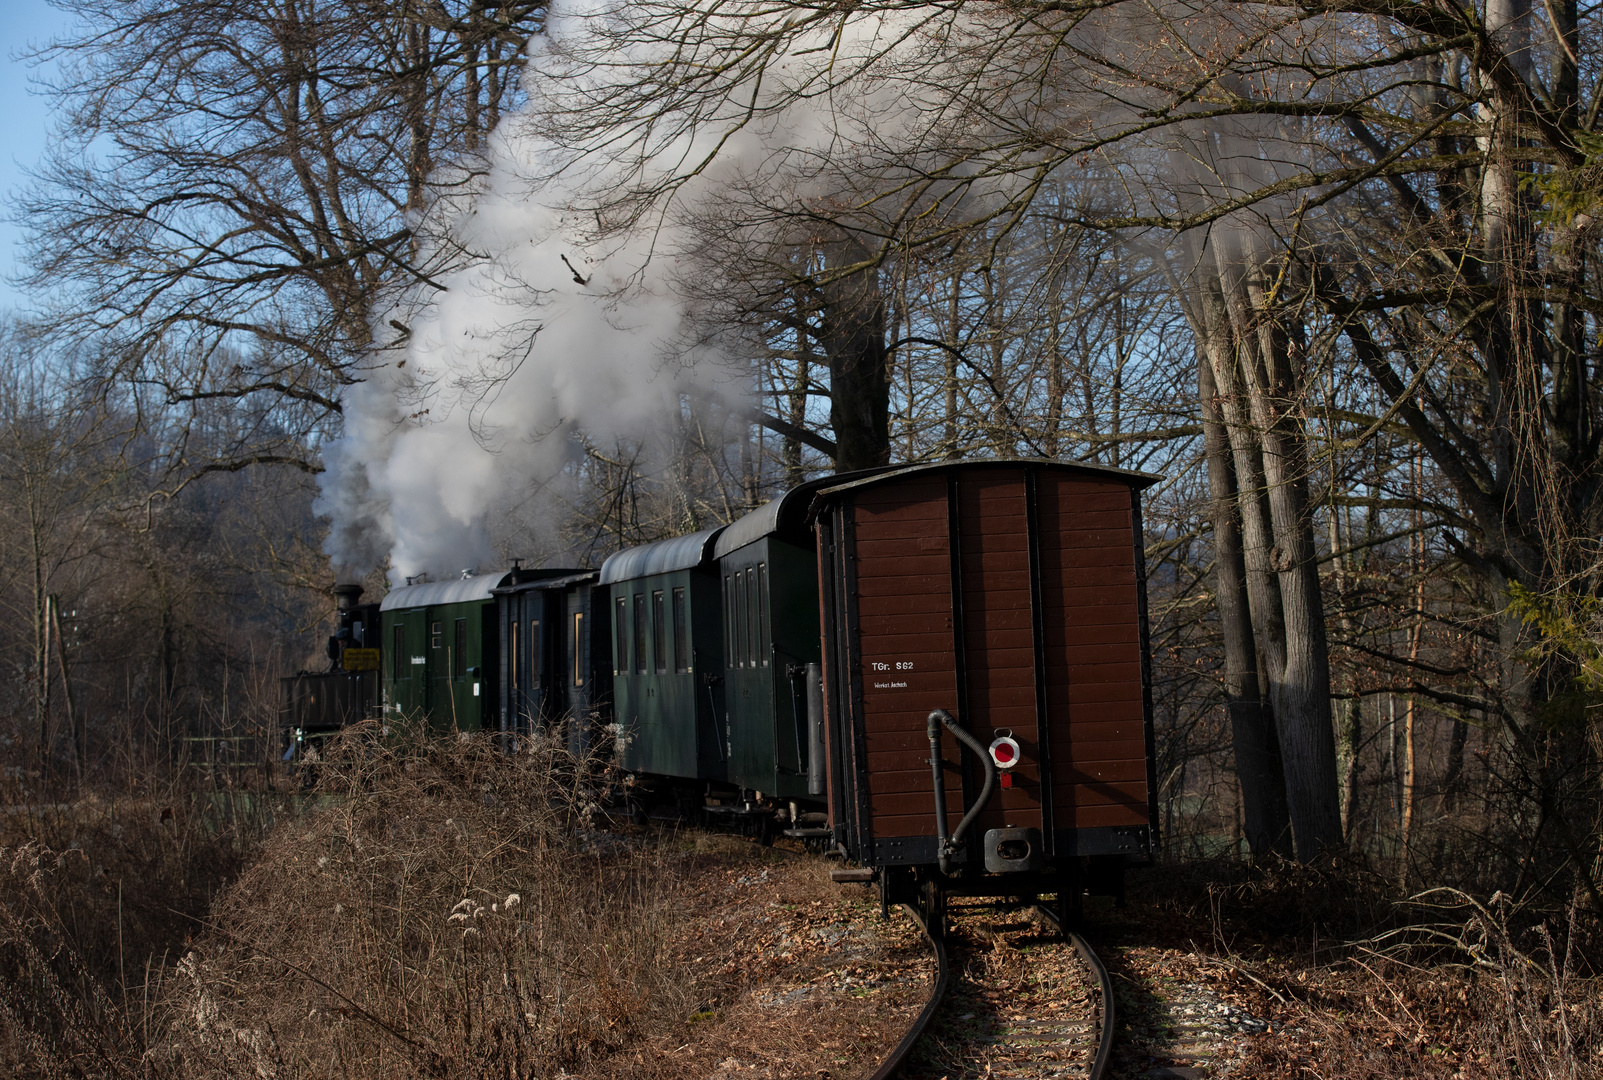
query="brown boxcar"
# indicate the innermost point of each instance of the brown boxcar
(1011, 595)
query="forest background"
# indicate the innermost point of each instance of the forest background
(1330, 269)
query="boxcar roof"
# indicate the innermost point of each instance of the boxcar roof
(663, 557)
(456, 591)
(1130, 477)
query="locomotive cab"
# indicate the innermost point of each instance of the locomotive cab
(316, 705)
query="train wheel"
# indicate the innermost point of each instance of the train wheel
(1068, 907)
(932, 905)
(896, 886)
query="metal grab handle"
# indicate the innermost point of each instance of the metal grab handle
(950, 847)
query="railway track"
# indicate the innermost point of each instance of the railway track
(1025, 1026)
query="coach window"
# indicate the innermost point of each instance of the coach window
(434, 635)
(766, 632)
(578, 648)
(459, 662)
(536, 668)
(398, 661)
(729, 621)
(512, 660)
(740, 619)
(620, 638)
(681, 633)
(659, 630)
(752, 621)
(640, 633)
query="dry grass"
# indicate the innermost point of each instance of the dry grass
(95, 897)
(449, 912)
(1359, 981)
(443, 911)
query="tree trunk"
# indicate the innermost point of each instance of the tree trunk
(854, 341)
(1257, 750)
(796, 408)
(954, 343)
(1300, 688)
(1347, 710)
(75, 725)
(44, 686)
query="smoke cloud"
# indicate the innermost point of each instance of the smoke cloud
(553, 320)
(576, 273)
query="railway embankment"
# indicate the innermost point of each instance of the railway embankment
(456, 913)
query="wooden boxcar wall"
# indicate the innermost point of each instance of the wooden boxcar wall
(1011, 597)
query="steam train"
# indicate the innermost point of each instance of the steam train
(939, 671)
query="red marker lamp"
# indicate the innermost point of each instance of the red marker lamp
(1005, 752)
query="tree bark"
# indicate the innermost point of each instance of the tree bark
(1257, 749)
(859, 383)
(1259, 399)
(80, 743)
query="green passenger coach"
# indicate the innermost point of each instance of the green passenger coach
(667, 662)
(554, 654)
(441, 650)
(767, 575)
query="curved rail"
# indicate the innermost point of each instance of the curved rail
(893, 1063)
(1104, 1050)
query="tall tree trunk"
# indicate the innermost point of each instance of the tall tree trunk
(796, 407)
(74, 722)
(954, 343)
(1347, 710)
(859, 382)
(1257, 749)
(44, 686)
(1300, 684)
(1416, 553)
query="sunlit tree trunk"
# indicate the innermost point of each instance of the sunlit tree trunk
(1257, 749)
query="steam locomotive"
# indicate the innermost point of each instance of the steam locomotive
(938, 671)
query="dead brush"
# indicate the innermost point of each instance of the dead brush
(1478, 989)
(96, 896)
(448, 911)
(57, 1018)
(1551, 1020)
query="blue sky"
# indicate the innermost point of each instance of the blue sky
(24, 120)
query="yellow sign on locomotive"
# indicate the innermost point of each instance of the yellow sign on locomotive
(361, 659)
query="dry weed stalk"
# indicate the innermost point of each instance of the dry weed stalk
(1551, 1019)
(431, 909)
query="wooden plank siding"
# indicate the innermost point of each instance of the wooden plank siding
(904, 596)
(999, 634)
(1088, 583)
(1008, 595)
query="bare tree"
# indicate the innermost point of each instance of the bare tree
(235, 184)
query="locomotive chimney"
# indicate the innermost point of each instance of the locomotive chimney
(346, 595)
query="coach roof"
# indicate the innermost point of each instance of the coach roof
(786, 513)
(455, 591)
(1131, 477)
(663, 557)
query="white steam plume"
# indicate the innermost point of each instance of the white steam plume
(772, 123)
(555, 324)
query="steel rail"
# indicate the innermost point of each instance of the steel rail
(893, 1063)
(1104, 1051)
